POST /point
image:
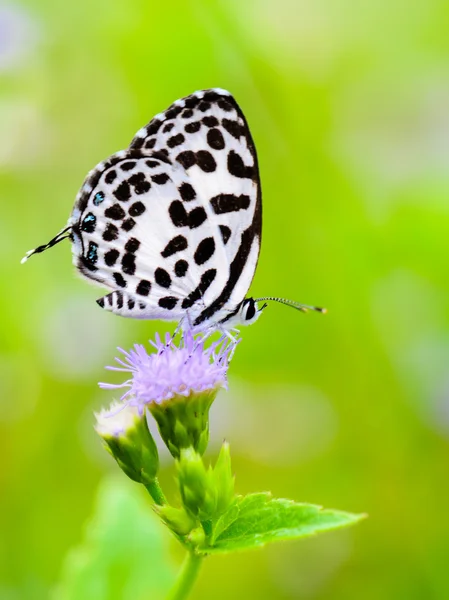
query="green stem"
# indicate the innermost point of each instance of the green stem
(156, 492)
(187, 577)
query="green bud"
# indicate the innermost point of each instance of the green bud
(183, 421)
(206, 493)
(224, 480)
(197, 537)
(127, 437)
(176, 519)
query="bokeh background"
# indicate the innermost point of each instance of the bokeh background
(348, 103)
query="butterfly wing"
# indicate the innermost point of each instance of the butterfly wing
(174, 223)
(208, 135)
(133, 234)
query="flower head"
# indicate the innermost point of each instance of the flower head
(178, 383)
(172, 370)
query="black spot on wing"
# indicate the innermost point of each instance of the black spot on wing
(187, 192)
(233, 127)
(162, 278)
(204, 251)
(168, 302)
(237, 167)
(115, 212)
(128, 224)
(196, 217)
(136, 209)
(110, 176)
(132, 245)
(225, 233)
(181, 268)
(206, 161)
(191, 101)
(226, 203)
(204, 106)
(129, 263)
(177, 244)
(210, 121)
(111, 256)
(139, 183)
(160, 178)
(123, 192)
(225, 105)
(202, 158)
(110, 233)
(154, 127)
(175, 140)
(215, 139)
(153, 163)
(192, 127)
(119, 280)
(128, 165)
(187, 159)
(173, 112)
(178, 214)
(181, 218)
(143, 288)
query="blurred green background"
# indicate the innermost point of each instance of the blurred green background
(348, 103)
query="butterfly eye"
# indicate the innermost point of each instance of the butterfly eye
(250, 310)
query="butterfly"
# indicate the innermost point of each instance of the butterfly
(172, 225)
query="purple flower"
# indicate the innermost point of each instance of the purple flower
(173, 370)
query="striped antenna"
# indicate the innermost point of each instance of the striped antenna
(62, 235)
(302, 307)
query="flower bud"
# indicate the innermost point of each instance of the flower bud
(177, 519)
(206, 492)
(224, 480)
(127, 437)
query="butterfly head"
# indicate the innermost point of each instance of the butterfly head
(247, 313)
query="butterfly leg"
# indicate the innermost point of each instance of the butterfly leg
(175, 333)
(226, 334)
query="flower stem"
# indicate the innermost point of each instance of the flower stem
(187, 577)
(156, 492)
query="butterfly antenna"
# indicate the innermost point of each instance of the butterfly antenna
(62, 235)
(302, 307)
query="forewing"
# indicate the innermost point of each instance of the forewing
(207, 135)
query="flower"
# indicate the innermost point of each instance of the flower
(127, 437)
(115, 420)
(172, 370)
(178, 383)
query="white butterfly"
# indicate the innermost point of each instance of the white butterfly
(173, 224)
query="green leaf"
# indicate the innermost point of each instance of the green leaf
(258, 519)
(124, 554)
